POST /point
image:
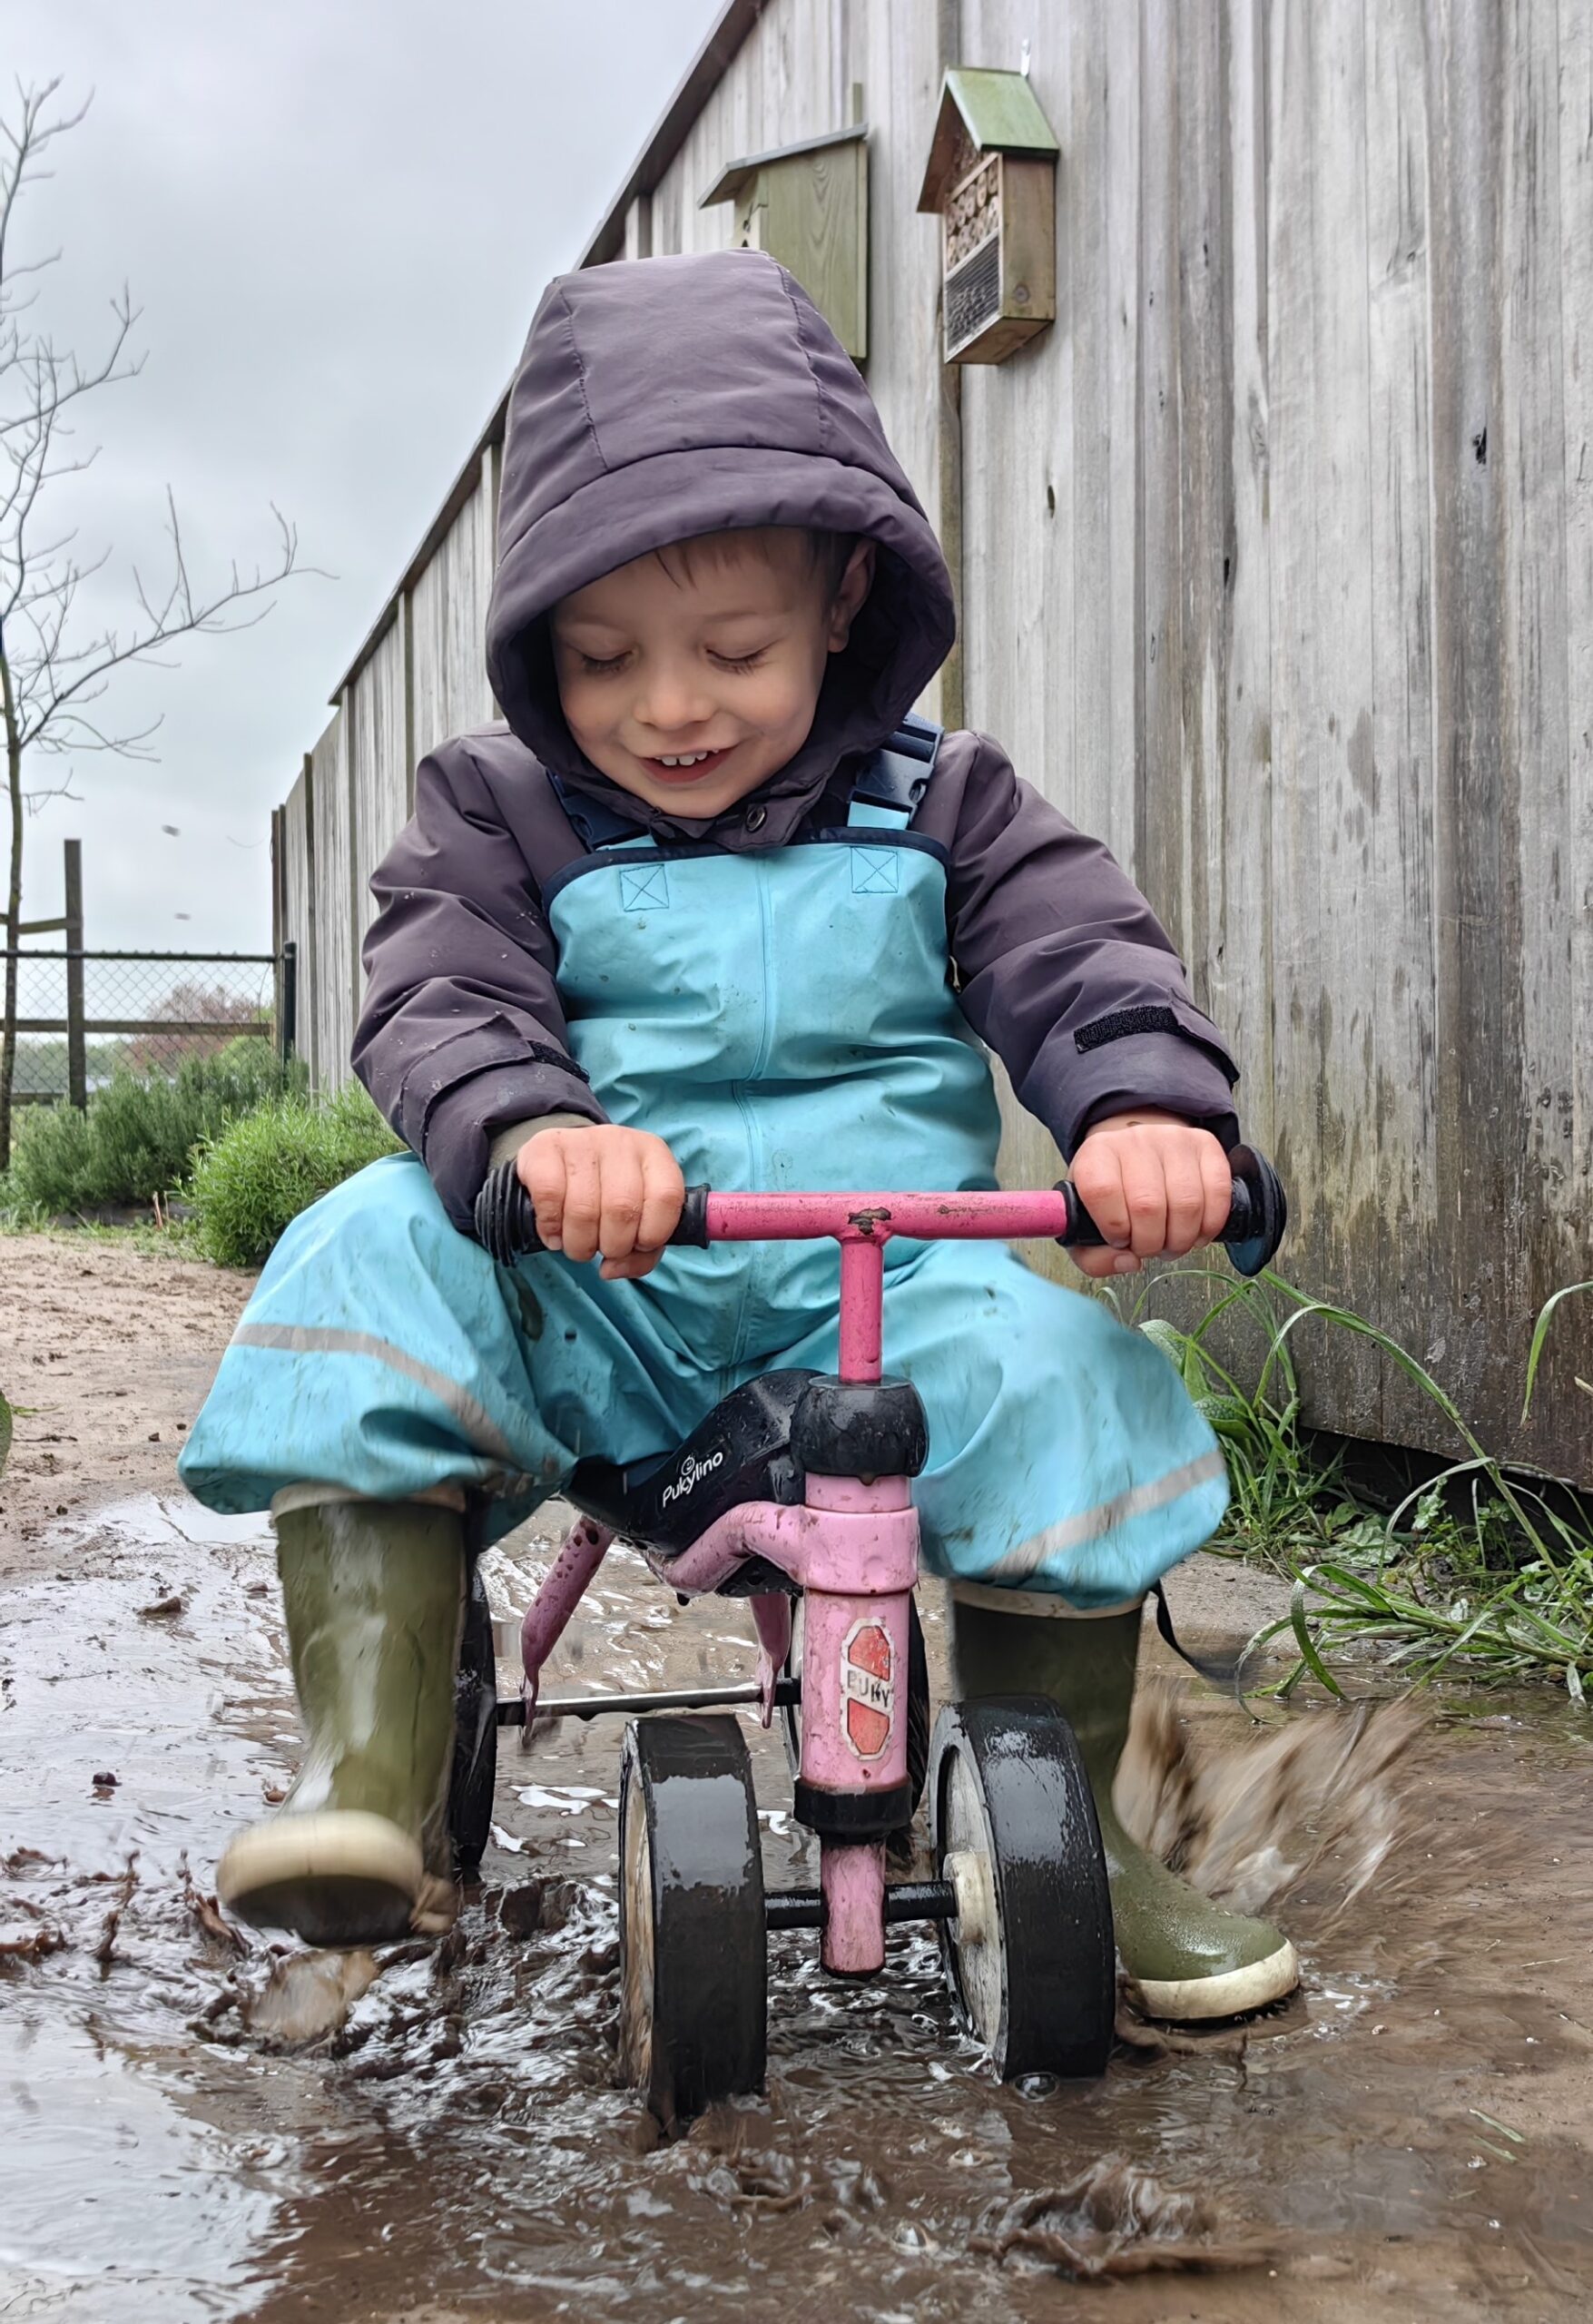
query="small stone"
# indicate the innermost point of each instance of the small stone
(106, 1782)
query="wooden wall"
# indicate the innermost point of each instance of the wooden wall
(1276, 564)
(420, 677)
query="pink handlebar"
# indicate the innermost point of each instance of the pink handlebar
(506, 1223)
(875, 1218)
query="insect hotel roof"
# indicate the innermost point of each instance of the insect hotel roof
(985, 110)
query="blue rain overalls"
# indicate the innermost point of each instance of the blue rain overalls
(782, 1018)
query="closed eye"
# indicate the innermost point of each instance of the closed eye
(597, 668)
(740, 661)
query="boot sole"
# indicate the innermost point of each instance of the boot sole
(1234, 1992)
(340, 1878)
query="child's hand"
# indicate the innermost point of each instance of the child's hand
(1154, 1186)
(604, 1188)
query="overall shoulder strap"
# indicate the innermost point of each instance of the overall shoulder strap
(594, 824)
(888, 789)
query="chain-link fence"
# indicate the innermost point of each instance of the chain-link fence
(83, 1017)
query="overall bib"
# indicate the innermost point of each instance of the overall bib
(783, 1020)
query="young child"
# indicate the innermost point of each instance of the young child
(691, 913)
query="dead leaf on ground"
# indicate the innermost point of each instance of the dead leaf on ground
(127, 1881)
(29, 1940)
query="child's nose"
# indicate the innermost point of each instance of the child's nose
(674, 701)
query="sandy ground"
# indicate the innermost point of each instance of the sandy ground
(105, 1355)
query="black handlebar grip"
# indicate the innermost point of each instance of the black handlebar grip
(505, 1218)
(1256, 1222)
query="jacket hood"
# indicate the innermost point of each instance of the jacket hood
(659, 399)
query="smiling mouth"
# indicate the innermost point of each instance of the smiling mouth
(687, 767)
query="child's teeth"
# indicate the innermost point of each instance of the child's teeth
(692, 758)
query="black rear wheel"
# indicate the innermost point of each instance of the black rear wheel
(1029, 1955)
(475, 1767)
(693, 1973)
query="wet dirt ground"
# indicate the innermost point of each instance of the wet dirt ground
(1408, 2139)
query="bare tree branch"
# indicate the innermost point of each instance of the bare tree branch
(54, 671)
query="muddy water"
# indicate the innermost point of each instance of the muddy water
(1409, 2138)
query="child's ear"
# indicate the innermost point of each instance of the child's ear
(855, 584)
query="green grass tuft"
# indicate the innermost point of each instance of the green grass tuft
(1486, 1572)
(253, 1178)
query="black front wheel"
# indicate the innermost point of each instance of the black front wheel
(694, 1972)
(474, 1768)
(1030, 1955)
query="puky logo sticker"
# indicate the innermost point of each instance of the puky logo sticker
(868, 1688)
(692, 1473)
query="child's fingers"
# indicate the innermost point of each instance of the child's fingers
(1185, 1196)
(1217, 1182)
(1104, 1264)
(540, 1165)
(1145, 1197)
(583, 1199)
(621, 1181)
(664, 1195)
(640, 1262)
(1097, 1178)
(1098, 1175)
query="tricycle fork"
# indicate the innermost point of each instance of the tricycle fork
(564, 1586)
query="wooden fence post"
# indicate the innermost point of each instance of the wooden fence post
(76, 1055)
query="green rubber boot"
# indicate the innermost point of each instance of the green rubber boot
(1186, 1957)
(373, 1593)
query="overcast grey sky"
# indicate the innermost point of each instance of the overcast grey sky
(336, 216)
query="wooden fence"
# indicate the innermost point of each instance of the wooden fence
(1275, 556)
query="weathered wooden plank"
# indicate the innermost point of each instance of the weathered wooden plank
(1536, 1128)
(1016, 527)
(299, 905)
(449, 599)
(333, 979)
(381, 769)
(1238, 953)
(1160, 822)
(895, 57)
(1392, 762)
(1575, 225)
(1318, 368)
(1465, 103)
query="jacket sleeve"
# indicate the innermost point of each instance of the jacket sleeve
(462, 1031)
(1065, 972)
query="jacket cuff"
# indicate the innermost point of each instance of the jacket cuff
(463, 1124)
(506, 1143)
(1175, 1072)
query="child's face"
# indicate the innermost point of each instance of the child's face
(714, 657)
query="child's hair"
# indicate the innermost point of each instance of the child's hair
(827, 552)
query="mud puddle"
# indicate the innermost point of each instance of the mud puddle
(192, 2129)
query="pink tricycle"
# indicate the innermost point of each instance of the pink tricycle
(795, 1492)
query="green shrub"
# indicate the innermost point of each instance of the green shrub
(253, 1178)
(138, 1134)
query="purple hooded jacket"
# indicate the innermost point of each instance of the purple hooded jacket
(664, 398)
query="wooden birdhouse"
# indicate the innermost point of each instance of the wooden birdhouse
(808, 206)
(992, 178)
